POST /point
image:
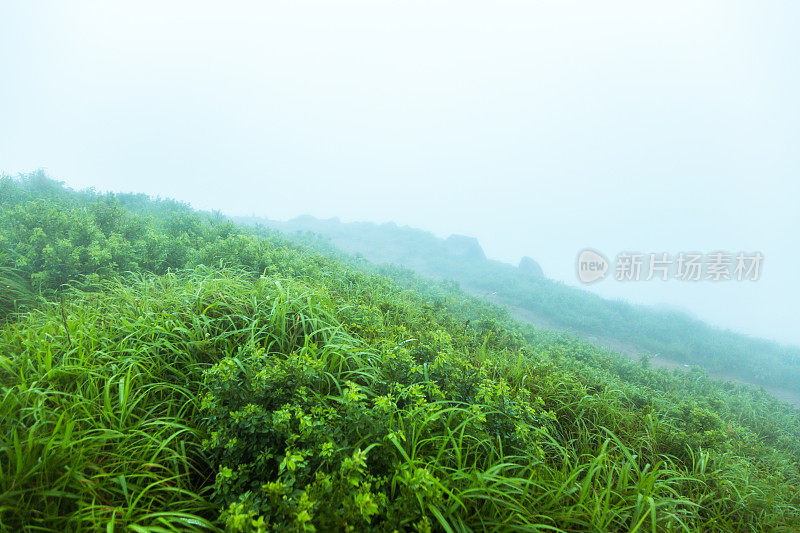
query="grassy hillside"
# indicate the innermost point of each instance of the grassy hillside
(172, 371)
(672, 334)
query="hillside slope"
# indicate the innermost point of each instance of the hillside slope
(553, 305)
(161, 390)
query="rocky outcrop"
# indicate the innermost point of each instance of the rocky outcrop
(530, 267)
(464, 247)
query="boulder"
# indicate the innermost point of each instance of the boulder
(464, 247)
(530, 267)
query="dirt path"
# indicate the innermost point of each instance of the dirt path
(629, 350)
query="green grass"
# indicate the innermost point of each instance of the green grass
(178, 397)
(15, 292)
(293, 392)
(675, 335)
(98, 430)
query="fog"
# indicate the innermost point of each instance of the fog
(541, 128)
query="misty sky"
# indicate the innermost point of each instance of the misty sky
(540, 127)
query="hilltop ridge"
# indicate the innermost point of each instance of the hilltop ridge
(674, 335)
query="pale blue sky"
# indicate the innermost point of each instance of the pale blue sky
(539, 127)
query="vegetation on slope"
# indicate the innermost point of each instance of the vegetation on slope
(15, 292)
(295, 392)
(333, 405)
(674, 335)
